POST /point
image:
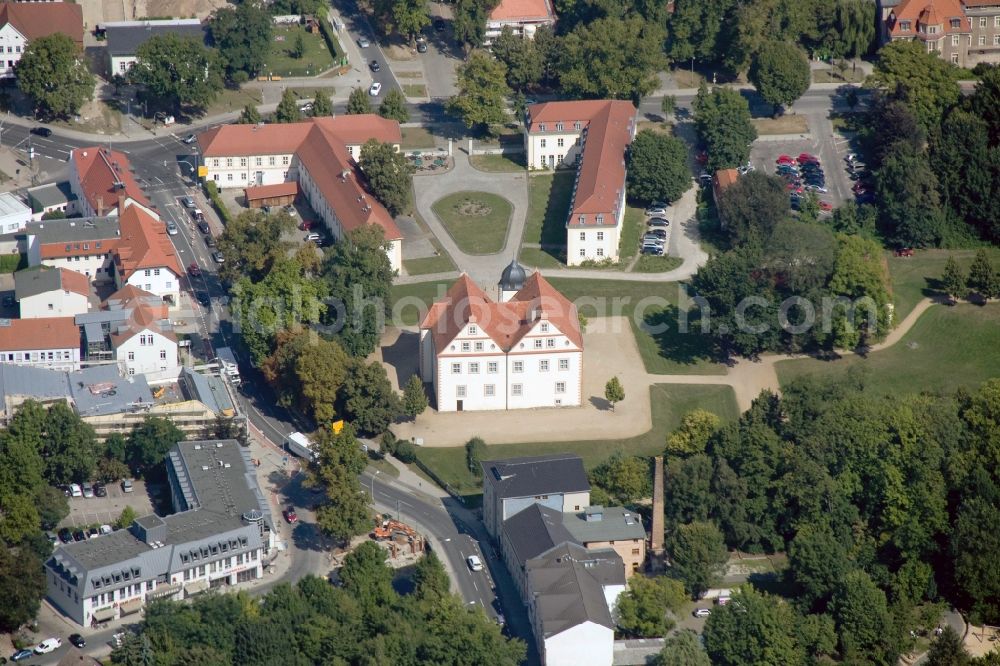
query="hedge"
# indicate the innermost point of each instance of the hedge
(212, 192)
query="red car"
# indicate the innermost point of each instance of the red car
(306, 225)
(785, 159)
(904, 252)
(290, 515)
(792, 187)
(194, 270)
(806, 157)
(825, 206)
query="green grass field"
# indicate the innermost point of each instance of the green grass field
(669, 404)
(416, 137)
(315, 60)
(649, 263)
(632, 228)
(948, 347)
(498, 163)
(478, 221)
(917, 277)
(428, 265)
(534, 256)
(548, 205)
(414, 90)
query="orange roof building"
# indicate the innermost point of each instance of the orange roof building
(47, 342)
(963, 32)
(523, 351)
(23, 22)
(320, 155)
(593, 136)
(523, 17)
(102, 179)
(144, 256)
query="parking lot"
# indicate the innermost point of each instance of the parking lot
(830, 152)
(105, 510)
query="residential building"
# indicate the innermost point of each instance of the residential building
(123, 38)
(51, 197)
(14, 215)
(556, 481)
(320, 155)
(614, 527)
(101, 179)
(962, 32)
(145, 256)
(49, 342)
(220, 535)
(593, 137)
(20, 23)
(572, 595)
(523, 17)
(85, 245)
(144, 342)
(41, 291)
(522, 352)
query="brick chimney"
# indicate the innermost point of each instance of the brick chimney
(100, 206)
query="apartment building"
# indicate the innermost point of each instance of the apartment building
(523, 17)
(20, 23)
(101, 179)
(41, 291)
(46, 342)
(963, 32)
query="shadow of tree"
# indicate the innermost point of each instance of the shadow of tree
(600, 403)
(686, 347)
(402, 356)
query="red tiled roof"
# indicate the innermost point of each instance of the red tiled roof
(99, 169)
(981, 3)
(724, 178)
(42, 333)
(523, 10)
(142, 318)
(928, 12)
(41, 19)
(505, 323)
(287, 138)
(75, 282)
(59, 249)
(131, 296)
(144, 243)
(290, 189)
(609, 125)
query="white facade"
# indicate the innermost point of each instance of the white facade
(94, 266)
(248, 171)
(161, 281)
(12, 45)
(14, 215)
(552, 149)
(55, 303)
(545, 369)
(67, 358)
(147, 352)
(598, 241)
(589, 643)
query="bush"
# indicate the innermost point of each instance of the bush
(212, 192)
(13, 262)
(389, 443)
(331, 41)
(405, 451)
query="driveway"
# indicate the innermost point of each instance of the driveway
(443, 55)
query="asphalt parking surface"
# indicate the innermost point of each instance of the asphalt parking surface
(105, 510)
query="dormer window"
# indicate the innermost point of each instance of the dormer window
(559, 127)
(577, 125)
(904, 26)
(473, 330)
(956, 24)
(541, 128)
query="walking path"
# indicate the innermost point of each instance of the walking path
(610, 351)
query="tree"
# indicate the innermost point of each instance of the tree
(389, 174)
(982, 277)
(482, 92)
(722, 119)
(19, 519)
(322, 106)
(642, 611)
(908, 197)
(475, 450)
(69, 446)
(288, 108)
(682, 649)
(430, 580)
(22, 585)
(250, 115)
(975, 534)
(359, 277)
(53, 74)
(410, 17)
(754, 628)
(469, 25)
(345, 513)
(624, 478)
(394, 106)
(51, 506)
(252, 244)
(414, 397)
(920, 78)
(817, 562)
(366, 575)
(780, 73)
(126, 518)
(298, 47)
(614, 392)
(521, 57)
(657, 167)
(699, 556)
(611, 58)
(243, 36)
(177, 72)
(692, 435)
(369, 401)
(305, 365)
(751, 207)
(948, 650)
(864, 624)
(953, 280)
(149, 442)
(357, 102)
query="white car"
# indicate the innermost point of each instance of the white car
(375, 89)
(656, 209)
(702, 612)
(363, 42)
(48, 645)
(75, 490)
(474, 562)
(172, 229)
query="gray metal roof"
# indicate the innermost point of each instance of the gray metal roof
(11, 205)
(125, 40)
(568, 584)
(74, 229)
(36, 280)
(39, 383)
(536, 475)
(51, 194)
(535, 530)
(210, 390)
(616, 524)
(101, 390)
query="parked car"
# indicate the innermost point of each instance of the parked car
(421, 45)
(218, 258)
(374, 66)
(306, 225)
(474, 562)
(93, 533)
(107, 529)
(48, 645)
(172, 229)
(188, 202)
(65, 535)
(312, 237)
(654, 250)
(825, 206)
(806, 157)
(656, 233)
(198, 215)
(100, 490)
(702, 612)
(77, 640)
(290, 515)
(375, 89)
(656, 209)
(79, 535)
(41, 131)
(21, 655)
(363, 42)
(203, 298)
(209, 240)
(88, 490)
(439, 24)
(194, 270)
(814, 187)
(204, 228)
(865, 198)
(785, 159)
(127, 485)
(658, 222)
(75, 490)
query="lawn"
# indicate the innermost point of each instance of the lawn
(669, 404)
(649, 263)
(548, 205)
(315, 59)
(417, 137)
(427, 265)
(498, 163)
(233, 100)
(478, 221)
(539, 258)
(834, 75)
(787, 124)
(917, 277)
(412, 300)
(414, 90)
(947, 348)
(632, 227)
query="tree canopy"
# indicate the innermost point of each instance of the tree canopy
(243, 36)
(482, 91)
(389, 173)
(657, 167)
(722, 118)
(780, 72)
(53, 73)
(177, 72)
